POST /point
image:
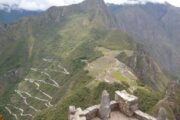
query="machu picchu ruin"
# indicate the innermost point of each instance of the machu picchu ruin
(123, 107)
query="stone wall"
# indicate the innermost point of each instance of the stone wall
(90, 112)
(143, 116)
(128, 104)
(124, 102)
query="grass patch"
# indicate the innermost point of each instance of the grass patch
(147, 98)
(83, 97)
(119, 76)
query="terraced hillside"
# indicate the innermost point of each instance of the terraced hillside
(109, 69)
(36, 91)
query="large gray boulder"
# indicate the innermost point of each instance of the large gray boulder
(162, 114)
(105, 109)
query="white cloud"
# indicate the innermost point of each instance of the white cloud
(44, 4)
(133, 1)
(33, 5)
(38, 4)
(173, 2)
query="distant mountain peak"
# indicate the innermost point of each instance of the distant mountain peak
(12, 13)
(9, 8)
(142, 2)
(94, 3)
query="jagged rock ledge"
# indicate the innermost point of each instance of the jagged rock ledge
(124, 107)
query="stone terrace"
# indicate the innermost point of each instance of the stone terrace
(125, 107)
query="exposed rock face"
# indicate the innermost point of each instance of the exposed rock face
(91, 112)
(162, 114)
(99, 8)
(95, 2)
(76, 114)
(14, 73)
(154, 26)
(96, 7)
(105, 109)
(146, 69)
(72, 111)
(79, 115)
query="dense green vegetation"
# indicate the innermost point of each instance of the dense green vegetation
(83, 97)
(147, 98)
(67, 40)
(147, 70)
(172, 96)
(119, 76)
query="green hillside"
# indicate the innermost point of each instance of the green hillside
(49, 57)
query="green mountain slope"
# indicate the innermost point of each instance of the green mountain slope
(50, 55)
(156, 26)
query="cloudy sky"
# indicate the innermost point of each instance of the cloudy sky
(44, 4)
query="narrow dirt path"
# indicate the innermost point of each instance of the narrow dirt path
(25, 101)
(21, 111)
(11, 113)
(25, 95)
(38, 86)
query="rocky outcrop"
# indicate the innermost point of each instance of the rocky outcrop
(99, 8)
(72, 111)
(95, 7)
(162, 114)
(105, 109)
(146, 69)
(13, 73)
(156, 26)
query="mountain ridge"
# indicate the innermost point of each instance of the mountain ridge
(151, 30)
(11, 14)
(53, 50)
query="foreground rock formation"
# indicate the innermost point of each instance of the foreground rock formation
(162, 114)
(125, 107)
(105, 109)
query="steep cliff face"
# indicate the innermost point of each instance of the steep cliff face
(155, 26)
(5, 38)
(93, 5)
(170, 102)
(146, 69)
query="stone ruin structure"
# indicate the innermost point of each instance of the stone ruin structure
(105, 108)
(162, 114)
(124, 107)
